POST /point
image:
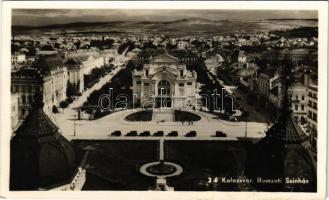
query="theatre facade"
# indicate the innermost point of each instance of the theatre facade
(165, 82)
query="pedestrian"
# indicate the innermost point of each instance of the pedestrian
(191, 122)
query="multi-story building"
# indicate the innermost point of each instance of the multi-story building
(312, 111)
(242, 57)
(18, 58)
(82, 63)
(51, 80)
(75, 75)
(297, 95)
(269, 88)
(165, 78)
(296, 56)
(14, 111)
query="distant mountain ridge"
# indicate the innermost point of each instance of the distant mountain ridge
(180, 27)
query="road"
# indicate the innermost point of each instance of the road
(255, 114)
(66, 117)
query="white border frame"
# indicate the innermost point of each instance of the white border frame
(5, 68)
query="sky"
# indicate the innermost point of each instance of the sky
(41, 17)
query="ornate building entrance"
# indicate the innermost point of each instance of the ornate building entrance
(164, 94)
(166, 80)
(164, 88)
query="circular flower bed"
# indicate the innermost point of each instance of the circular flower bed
(161, 169)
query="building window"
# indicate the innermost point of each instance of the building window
(181, 85)
(296, 107)
(315, 105)
(30, 99)
(302, 107)
(138, 82)
(315, 117)
(189, 83)
(147, 72)
(309, 114)
(146, 84)
(303, 97)
(181, 73)
(296, 97)
(23, 99)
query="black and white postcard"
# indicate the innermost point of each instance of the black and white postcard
(127, 100)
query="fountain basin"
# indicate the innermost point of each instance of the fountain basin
(161, 169)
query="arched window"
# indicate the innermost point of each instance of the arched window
(164, 88)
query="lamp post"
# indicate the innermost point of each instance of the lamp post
(245, 132)
(74, 125)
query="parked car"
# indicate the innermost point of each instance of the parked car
(145, 133)
(172, 134)
(220, 134)
(132, 133)
(158, 133)
(190, 134)
(116, 133)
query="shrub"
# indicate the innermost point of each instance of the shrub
(63, 104)
(245, 114)
(99, 114)
(69, 100)
(55, 109)
(89, 110)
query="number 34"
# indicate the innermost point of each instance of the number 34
(212, 179)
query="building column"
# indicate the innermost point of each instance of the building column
(142, 88)
(176, 89)
(156, 89)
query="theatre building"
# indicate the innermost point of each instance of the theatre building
(165, 81)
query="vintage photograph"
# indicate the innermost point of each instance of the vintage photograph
(164, 100)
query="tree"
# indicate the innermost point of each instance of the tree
(69, 89)
(63, 104)
(47, 47)
(32, 51)
(77, 44)
(54, 109)
(42, 65)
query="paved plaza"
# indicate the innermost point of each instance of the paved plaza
(205, 128)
